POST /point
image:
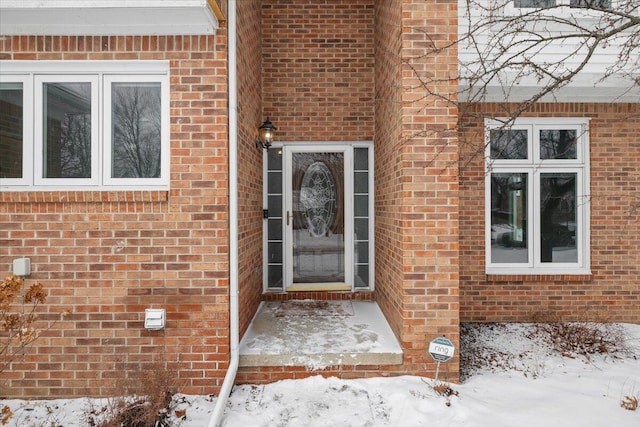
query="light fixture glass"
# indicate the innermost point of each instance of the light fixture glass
(266, 132)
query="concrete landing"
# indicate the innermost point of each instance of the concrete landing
(319, 334)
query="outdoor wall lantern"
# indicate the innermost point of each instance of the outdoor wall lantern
(265, 134)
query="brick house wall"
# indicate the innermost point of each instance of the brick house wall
(317, 81)
(416, 189)
(611, 292)
(249, 43)
(388, 149)
(313, 94)
(106, 256)
(429, 183)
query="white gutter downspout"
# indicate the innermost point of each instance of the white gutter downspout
(234, 339)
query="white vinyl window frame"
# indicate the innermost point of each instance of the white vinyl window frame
(33, 74)
(535, 168)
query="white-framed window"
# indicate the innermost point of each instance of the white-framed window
(84, 125)
(537, 196)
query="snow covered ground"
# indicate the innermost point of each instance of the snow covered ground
(521, 381)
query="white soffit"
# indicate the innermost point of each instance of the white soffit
(107, 17)
(585, 87)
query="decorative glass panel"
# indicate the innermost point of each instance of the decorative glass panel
(509, 218)
(558, 144)
(136, 136)
(67, 130)
(558, 217)
(11, 125)
(318, 217)
(509, 144)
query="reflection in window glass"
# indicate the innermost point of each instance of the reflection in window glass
(67, 130)
(538, 4)
(558, 217)
(136, 136)
(558, 144)
(11, 119)
(509, 218)
(597, 4)
(508, 144)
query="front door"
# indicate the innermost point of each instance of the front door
(318, 218)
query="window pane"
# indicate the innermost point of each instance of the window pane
(274, 204)
(67, 130)
(558, 217)
(274, 229)
(361, 159)
(11, 117)
(362, 228)
(274, 184)
(509, 218)
(361, 182)
(558, 144)
(274, 160)
(509, 144)
(534, 3)
(362, 276)
(136, 136)
(361, 206)
(275, 276)
(598, 4)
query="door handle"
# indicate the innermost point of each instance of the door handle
(287, 218)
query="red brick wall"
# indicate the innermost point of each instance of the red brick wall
(249, 160)
(429, 183)
(611, 292)
(388, 150)
(317, 82)
(106, 256)
(416, 186)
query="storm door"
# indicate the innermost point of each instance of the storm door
(317, 218)
(318, 212)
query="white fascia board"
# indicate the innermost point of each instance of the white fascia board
(107, 17)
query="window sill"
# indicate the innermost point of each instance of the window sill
(538, 277)
(84, 196)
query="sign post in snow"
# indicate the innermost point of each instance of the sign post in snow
(441, 350)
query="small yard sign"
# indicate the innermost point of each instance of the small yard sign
(441, 349)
